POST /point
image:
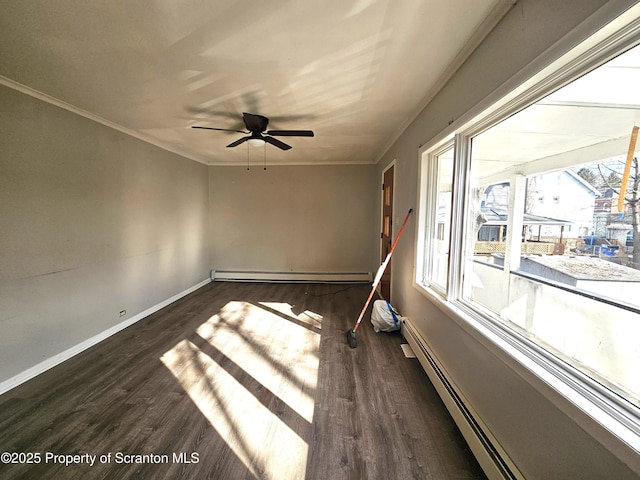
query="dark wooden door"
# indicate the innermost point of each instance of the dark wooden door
(387, 229)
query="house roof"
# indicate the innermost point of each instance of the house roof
(499, 217)
(587, 121)
(582, 182)
(584, 267)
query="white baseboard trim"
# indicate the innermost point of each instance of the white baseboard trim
(264, 276)
(76, 349)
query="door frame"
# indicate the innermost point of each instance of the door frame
(390, 165)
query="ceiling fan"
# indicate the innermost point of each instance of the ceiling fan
(257, 128)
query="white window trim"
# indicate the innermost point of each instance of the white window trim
(427, 215)
(616, 416)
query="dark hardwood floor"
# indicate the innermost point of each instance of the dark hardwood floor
(237, 381)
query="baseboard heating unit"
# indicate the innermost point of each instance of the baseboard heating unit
(288, 277)
(491, 458)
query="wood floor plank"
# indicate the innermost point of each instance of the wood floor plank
(239, 381)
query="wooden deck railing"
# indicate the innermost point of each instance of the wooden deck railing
(539, 248)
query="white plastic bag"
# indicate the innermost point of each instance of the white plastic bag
(384, 317)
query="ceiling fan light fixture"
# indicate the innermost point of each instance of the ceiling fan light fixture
(255, 142)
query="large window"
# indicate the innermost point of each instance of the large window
(548, 237)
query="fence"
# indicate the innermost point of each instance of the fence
(539, 248)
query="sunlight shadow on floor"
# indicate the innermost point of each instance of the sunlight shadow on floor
(255, 383)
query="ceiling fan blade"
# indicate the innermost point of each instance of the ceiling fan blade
(255, 123)
(218, 129)
(276, 143)
(238, 142)
(290, 133)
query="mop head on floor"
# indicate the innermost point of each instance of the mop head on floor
(351, 338)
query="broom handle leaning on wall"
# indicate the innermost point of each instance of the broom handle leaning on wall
(381, 270)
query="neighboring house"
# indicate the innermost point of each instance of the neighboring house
(563, 194)
(559, 204)
(607, 202)
(606, 206)
(607, 222)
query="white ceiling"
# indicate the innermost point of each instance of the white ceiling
(354, 71)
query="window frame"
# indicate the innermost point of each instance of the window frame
(428, 179)
(614, 413)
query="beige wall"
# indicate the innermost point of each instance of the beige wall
(544, 434)
(95, 222)
(293, 218)
(92, 222)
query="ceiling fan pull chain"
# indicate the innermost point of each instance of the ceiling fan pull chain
(264, 155)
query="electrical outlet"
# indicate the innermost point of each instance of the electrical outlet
(123, 313)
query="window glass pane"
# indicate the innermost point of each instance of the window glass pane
(442, 227)
(437, 182)
(548, 252)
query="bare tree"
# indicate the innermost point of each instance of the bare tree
(612, 178)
